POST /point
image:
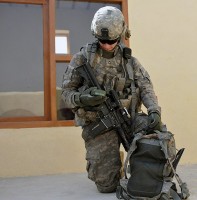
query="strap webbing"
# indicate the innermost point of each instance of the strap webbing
(174, 195)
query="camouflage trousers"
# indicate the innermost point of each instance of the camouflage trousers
(103, 156)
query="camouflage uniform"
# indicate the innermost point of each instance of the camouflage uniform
(103, 157)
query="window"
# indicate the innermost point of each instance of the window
(62, 42)
(33, 59)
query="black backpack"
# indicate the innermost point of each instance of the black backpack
(151, 165)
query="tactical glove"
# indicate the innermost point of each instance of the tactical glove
(154, 121)
(91, 97)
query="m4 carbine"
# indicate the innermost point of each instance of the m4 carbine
(111, 113)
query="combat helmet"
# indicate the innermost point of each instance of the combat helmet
(108, 24)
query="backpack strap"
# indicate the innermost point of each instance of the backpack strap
(132, 148)
(133, 88)
(89, 51)
(183, 186)
(174, 195)
(128, 63)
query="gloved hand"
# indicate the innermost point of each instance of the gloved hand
(92, 97)
(154, 121)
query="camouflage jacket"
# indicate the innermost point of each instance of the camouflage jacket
(111, 73)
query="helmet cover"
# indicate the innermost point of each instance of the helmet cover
(108, 23)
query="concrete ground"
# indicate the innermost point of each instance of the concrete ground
(72, 187)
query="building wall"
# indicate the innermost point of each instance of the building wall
(39, 151)
(164, 40)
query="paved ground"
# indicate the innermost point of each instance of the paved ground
(72, 187)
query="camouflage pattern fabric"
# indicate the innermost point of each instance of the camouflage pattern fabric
(103, 160)
(111, 18)
(103, 157)
(108, 72)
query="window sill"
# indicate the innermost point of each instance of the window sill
(36, 124)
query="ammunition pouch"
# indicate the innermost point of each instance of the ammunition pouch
(96, 128)
(126, 102)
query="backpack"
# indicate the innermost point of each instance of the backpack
(151, 164)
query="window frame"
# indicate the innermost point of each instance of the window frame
(50, 59)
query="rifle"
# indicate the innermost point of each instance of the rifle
(112, 114)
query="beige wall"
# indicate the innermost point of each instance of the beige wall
(38, 151)
(164, 40)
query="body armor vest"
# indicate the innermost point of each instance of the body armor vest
(112, 72)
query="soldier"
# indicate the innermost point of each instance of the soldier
(108, 58)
